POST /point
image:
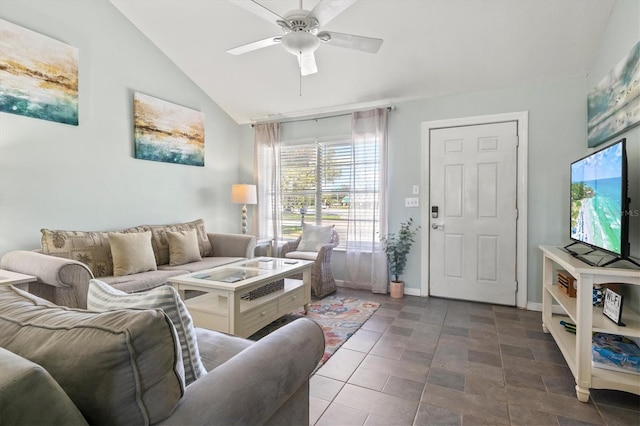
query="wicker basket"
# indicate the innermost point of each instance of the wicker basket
(264, 290)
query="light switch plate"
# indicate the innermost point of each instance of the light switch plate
(416, 190)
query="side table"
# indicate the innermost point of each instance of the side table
(16, 279)
(266, 242)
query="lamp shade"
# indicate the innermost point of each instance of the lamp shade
(243, 194)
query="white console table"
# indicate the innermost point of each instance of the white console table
(587, 318)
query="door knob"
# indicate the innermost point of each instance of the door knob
(437, 226)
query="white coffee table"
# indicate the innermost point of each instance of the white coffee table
(223, 308)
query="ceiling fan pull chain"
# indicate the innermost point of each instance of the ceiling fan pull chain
(300, 69)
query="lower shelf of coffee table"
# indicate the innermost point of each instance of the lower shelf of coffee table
(211, 310)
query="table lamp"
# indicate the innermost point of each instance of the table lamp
(244, 194)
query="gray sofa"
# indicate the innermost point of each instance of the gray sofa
(67, 260)
(62, 366)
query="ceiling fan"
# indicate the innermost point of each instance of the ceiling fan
(302, 35)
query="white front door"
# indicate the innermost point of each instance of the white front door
(473, 187)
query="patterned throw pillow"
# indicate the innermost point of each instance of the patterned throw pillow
(161, 243)
(132, 253)
(314, 237)
(102, 297)
(91, 248)
(183, 247)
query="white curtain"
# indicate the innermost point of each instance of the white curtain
(267, 178)
(366, 263)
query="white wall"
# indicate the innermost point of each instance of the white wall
(85, 177)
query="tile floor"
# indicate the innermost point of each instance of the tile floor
(420, 361)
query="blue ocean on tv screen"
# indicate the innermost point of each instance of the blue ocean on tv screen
(600, 220)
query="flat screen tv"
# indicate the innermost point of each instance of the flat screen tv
(599, 202)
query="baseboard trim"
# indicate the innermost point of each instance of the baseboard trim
(412, 291)
(531, 306)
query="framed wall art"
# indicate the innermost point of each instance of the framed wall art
(38, 75)
(613, 106)
(166, 132)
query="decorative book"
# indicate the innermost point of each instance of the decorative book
(615, 352)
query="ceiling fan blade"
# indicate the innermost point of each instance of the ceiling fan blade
(350, 41)
(326, 10)
(307, 62)
(258, 9)
(249, 47)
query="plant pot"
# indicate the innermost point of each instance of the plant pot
(397, 289)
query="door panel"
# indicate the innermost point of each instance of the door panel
(473, 181)
(454, 190)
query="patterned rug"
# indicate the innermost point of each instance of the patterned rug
(339, 318)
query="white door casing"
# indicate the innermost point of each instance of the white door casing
(479, 178)
(473, 239)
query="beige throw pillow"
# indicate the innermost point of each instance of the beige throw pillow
(183, 247)
(314, 237)
(160, 242)
(132, 253)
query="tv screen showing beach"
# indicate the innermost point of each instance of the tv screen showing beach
(596, 199)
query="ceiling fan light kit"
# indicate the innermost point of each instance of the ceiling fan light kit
(300, 42)
(301, 32)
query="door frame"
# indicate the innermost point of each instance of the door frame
(522, 120)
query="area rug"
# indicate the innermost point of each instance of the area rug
(339, 318)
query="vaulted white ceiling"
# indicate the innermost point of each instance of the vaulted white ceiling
(431, 48)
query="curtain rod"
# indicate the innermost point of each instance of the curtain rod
(294, 120)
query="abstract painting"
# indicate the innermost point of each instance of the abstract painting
(38, 75)
(164, 131)
(613, 106)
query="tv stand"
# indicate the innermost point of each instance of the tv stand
(576, 348)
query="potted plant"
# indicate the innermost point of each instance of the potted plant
(397, 247)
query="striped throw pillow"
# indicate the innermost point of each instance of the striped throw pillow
(102, 297)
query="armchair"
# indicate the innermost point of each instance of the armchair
(323, 282)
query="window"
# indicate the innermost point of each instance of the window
(321, 179)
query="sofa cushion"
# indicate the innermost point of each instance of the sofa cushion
(306, 255)
(161, 243)
(183, 247)
(102, 297)
(91, 248)
(314, 237)
(132, 253)
(118, 367)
